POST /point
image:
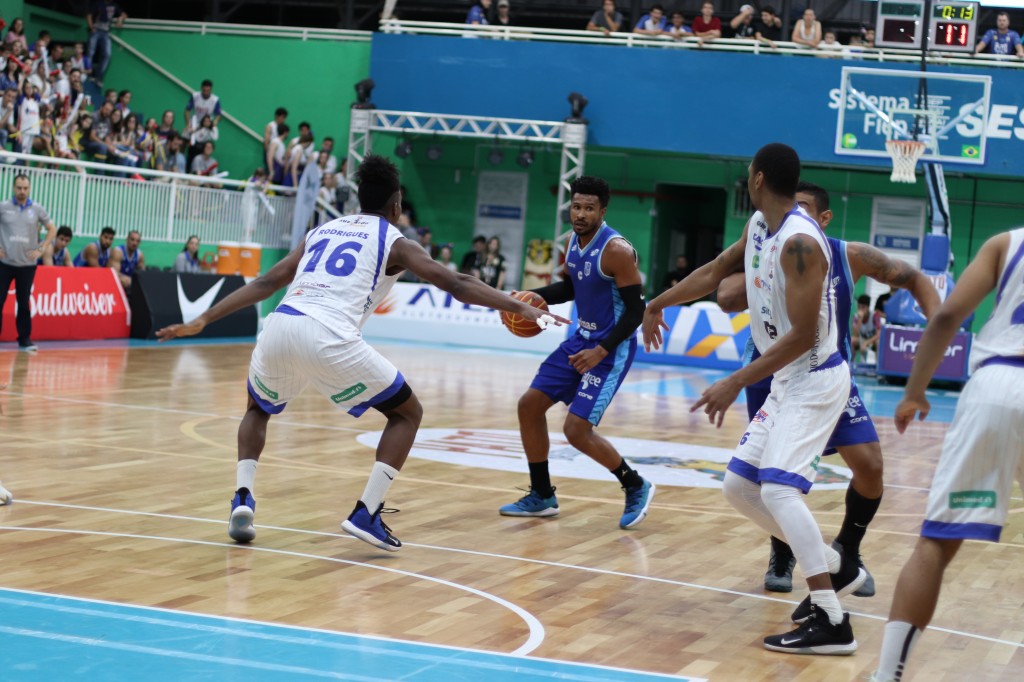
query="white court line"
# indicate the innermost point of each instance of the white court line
(170, 410)
(536, 628)
(491, 555)
(300, 628)
(186, 655)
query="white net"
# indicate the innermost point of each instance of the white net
(905, 154)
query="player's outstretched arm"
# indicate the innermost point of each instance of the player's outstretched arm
(867, 260)
(978, 280)
(409, 255)
(698, 283)
(255, 291)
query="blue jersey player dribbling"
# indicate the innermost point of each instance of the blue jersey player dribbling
(587, 369)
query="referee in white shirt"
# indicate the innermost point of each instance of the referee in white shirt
(20, 248)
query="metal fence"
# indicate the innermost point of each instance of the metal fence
(164, 207)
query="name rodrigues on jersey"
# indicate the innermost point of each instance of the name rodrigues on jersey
(343, 233)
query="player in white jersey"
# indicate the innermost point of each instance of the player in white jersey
(786, 260)
(984, 447)
(338, 278)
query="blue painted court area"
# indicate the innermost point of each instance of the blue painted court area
(46, 637)
(880, 400)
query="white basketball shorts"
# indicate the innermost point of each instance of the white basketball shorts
(295, 350)
(981, 456)
(785, 439)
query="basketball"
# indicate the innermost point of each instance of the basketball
(519, 325)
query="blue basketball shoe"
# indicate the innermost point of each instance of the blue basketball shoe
(532, 504)
(369, 528)
(243, 509)
(637, 502)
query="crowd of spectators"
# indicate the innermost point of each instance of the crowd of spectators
(763, 25)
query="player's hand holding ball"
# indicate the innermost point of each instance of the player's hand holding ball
(532, 317)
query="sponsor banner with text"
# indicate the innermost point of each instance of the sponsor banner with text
(72, 303)
(897, 347)
(701, 335)
(422, 312)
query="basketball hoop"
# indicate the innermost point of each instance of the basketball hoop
(905, 154)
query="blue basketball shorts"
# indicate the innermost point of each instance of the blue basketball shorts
(588, 395)
(854, 428)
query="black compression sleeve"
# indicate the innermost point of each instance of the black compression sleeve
(559, 292)
(632, 316)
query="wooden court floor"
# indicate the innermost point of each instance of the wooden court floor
(121, 461)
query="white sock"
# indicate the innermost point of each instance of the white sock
(245, 474)
(377, 487)
(833, 558)
(827, 601)
(899, 639)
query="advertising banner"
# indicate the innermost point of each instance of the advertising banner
(897, 347)
(701, 335)
(72, 303)
(162, 298)
(422, 312)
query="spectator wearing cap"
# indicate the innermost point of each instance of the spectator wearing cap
(502, 18)
(769, 29)
(607, 19)
(807, 31)
(742, 25)
(653, 23)
(707, 25)
(478, 13)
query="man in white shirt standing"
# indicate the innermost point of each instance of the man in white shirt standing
(202, 103)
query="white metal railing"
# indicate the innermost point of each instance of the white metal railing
(296, 33)
(164, 207)
(395, 26)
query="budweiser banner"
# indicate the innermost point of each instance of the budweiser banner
(72, 303)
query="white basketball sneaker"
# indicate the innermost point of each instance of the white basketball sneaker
(5, 495)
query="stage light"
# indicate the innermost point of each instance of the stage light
(578, 103)
(434, 152)
(496, 156)
(525, 158)
(364, 89)
(403, 149)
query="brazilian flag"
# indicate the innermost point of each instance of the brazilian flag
(970, 151)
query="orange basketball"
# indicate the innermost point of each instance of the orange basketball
(517, 324)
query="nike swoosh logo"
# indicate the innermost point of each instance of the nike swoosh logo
(784, 642)
(190, 310)
(390, 477)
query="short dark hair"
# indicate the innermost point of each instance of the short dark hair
(327, 139)
(591, 186)
(881, 301)
(479, 239)
(283, 129)
(781, 167)
(64, 231)
(280, 111)
(305, 124)
(864, 299)
(131, 232)
(107, 230)
(378, 181)
(123, 93)
(656, 7)
(44, 34)
(1003, 14)
(21, 176)
(108, 91)
(769, 9)
(206, 83)
(820, 194)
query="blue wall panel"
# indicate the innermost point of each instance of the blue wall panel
(705, 103)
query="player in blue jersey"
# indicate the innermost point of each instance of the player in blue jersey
(587, 369)
(97, 254)
(57, 253)
(128, 259)
(855, 437)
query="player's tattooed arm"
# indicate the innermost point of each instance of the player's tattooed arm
(800, 251)
(867, 260)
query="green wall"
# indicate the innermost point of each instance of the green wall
(252, 76)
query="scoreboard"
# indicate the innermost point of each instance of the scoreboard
(950, 26)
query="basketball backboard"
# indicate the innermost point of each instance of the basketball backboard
(877, 105)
